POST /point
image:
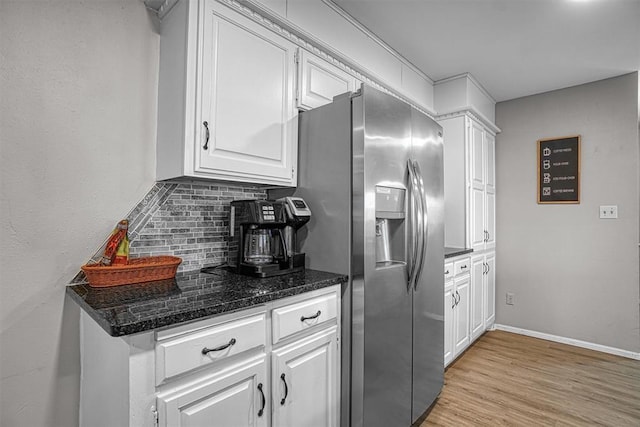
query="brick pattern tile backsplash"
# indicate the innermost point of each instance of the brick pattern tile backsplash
(193, 224)
(186, 219)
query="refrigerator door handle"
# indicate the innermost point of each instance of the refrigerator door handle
(415, 203)
(424, 222)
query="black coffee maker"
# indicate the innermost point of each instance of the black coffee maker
(264, 233)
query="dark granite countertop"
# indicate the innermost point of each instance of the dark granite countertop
(129, 309)
(451, 252)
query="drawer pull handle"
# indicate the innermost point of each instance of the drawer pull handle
(463, 267)
(446, 272)
(222, 347)
(206, 144)
(264, 401)
(286, 389)
(315, 316)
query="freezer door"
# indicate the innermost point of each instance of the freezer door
(381, 306)
(428, 305)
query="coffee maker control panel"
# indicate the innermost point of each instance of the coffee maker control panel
(257, 212)
(268, 213)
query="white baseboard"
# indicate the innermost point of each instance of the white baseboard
(569, 341)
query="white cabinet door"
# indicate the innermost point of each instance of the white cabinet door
(481, 146)
(305, 382)
(449, 319)
(248, 115)
(477, 296)
(490, 290)
(236, 397)
(490, 163)
(490, 220)
(490, 191)
(477, 147)
(478, 231)
(319, 81)
(461, 327)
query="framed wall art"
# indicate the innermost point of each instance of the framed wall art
(559, 170)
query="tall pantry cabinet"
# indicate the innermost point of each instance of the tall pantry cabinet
(466, 114)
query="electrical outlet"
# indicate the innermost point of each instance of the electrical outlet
(510, 297)
(609, 212)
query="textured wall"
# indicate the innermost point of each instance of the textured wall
(78, 88)
(574, 275)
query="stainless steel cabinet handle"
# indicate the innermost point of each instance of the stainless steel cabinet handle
(222, 347)
(315, 316)
(458, 295)
(464, 267)
(206, 142)
(286, 389)
(264, 401)
(453, 305)
(446, 272)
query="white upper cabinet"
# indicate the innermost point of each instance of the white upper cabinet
(466, 113)
(319, 81)
(483, 189)
(469, 149)
(490, 190)
(226, 98)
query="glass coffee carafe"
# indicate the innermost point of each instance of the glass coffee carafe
(257, 246)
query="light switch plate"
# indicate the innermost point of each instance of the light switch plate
(609, 212)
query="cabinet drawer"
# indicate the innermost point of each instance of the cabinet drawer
(205, 346)
(300, 316)
(448, 271)
(462, 266)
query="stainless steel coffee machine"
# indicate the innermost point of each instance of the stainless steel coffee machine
(264, 232)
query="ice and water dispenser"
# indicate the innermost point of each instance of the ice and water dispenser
(390, 222)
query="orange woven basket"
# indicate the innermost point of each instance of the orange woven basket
(138, 270)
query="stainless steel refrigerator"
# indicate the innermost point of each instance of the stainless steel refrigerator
(371, 170)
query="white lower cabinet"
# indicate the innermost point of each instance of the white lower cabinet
(233, 370)
(302, 388)
(477, 296)
(489, 287)
(456, 308)
(449, 306)
(305, 388)
(469, 298)
(461, 314)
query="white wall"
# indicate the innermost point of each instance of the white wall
(573, 274)
(78, 84)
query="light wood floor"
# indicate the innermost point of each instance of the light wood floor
(509, 379)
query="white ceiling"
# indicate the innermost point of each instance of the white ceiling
(513, 48)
